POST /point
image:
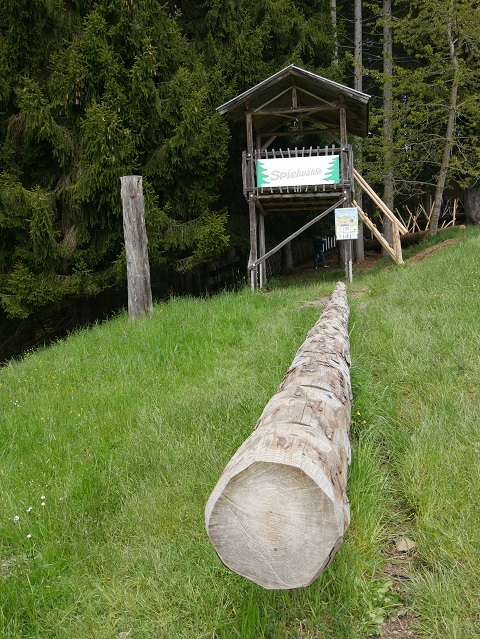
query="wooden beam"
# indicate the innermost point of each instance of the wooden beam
(244, 172)
(272, 99)
(380, 203)
(287, 197)
(259, 206)
(261, 248)
(252, 213)
(248, 118)
(316, 96)
(397, 244)
(266, 144)
(369, 224)
(296, 110)
(329, 131)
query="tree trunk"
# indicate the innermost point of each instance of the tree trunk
(388, 196)
(138, 267)
(447, 149)
(279, 510)
(472, 205)
(358, 85)
(286, 257)
(333, 17)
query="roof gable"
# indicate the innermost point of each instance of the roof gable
(313, 94)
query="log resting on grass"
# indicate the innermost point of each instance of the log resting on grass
(279, 510)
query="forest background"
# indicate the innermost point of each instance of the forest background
(91, 90)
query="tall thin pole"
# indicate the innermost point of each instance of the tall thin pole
(388, 196)
(358, 85)
(333, 17)
(346, 244)
(252, 212)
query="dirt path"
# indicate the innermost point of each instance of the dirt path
(372, 258)
(431, 249)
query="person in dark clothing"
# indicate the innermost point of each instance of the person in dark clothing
(319, 248)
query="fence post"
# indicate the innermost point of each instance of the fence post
(138, 267)
(397, 243)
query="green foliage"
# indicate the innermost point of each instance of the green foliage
(248, 41)
(106, 88)
(25, 292)
(12, 204)
(95, 89)
(426, 33)
(109, 89)
(42, 235)
(38, 123)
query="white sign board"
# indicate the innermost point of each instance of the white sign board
(303, 171)
(346, 223)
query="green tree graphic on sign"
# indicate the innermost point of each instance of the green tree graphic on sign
(332, 172)
(262, 174)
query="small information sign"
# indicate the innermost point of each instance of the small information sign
(346, 223)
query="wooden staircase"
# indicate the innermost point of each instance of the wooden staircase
(398, 228)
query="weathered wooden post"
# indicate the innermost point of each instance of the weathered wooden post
(349, 261)
(279, 510)
(138, 267)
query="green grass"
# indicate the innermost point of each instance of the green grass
(418, 344)
(121, 431)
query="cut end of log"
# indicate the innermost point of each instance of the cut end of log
(275, 526)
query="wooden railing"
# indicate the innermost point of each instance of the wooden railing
(398, 228)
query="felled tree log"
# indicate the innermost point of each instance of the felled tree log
(279, 510)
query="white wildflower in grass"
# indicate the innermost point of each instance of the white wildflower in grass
(29, 536)
(42, 504)
(29, 509)
(16, 518)
(42, 497)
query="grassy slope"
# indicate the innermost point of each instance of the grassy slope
(419, 347)
(122, 431)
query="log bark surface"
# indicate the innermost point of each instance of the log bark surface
(138, 267)
(279, 510)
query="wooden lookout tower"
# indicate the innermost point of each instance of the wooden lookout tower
(295, 104)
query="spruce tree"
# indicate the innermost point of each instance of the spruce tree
(90, 92)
